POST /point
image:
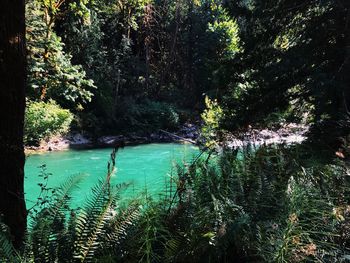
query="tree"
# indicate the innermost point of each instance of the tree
(12, 105)
(51, 74)
(295, 54)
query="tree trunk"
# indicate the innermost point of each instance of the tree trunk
(346, 66)
(12, 105)
(189, 75)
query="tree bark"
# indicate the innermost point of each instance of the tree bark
(346, 66)
(12, 106)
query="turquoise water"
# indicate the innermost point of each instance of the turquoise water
(143, 166)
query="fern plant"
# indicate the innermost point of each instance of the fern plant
(7, 251)
(259, 206)
(60, 234)
(248, 206)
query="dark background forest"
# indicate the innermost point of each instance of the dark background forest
(147, 65)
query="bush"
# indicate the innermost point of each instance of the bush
(43, 120)
(211, 117)
(159, 114)
(263, 206)
(148, 115)
(249, 206)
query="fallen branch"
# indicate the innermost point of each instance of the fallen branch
(179, 137)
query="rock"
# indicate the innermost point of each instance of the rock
(188, 132)
(79, 139)
(154, 136)
(110, 140)
(288, 134)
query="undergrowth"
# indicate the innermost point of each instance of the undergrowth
(266, 205)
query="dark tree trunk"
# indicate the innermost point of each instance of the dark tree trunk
(12, 104)
(346, 66)
(189, 76)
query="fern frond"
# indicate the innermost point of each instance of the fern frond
(49, 227)
(7, 252)
(121, 221)
(90, 223)
(119, 229)
(174, 246)
(62, 194)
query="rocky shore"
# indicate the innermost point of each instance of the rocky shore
(290, 133)
(190, 133)
(187, 133)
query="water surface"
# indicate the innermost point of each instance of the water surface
(144, 166)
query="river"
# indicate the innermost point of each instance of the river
(146, 166)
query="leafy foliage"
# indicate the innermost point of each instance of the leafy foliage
(140, 63)
(51, 73)
(212, 117)
(149, 115)
(293, 60)
(261, 206)
(266, 205)
(43, 120)
(7, 251)
(150, 51)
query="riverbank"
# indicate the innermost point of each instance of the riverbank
(290, 133)
(189, 133)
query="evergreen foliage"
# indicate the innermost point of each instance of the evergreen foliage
(265, 62)
(129, 52)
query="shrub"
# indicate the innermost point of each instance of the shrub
(147, 115)
(45, 119)
(211, 117)
(159, 114)
(263, 206)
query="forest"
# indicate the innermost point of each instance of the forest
(174, 131)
